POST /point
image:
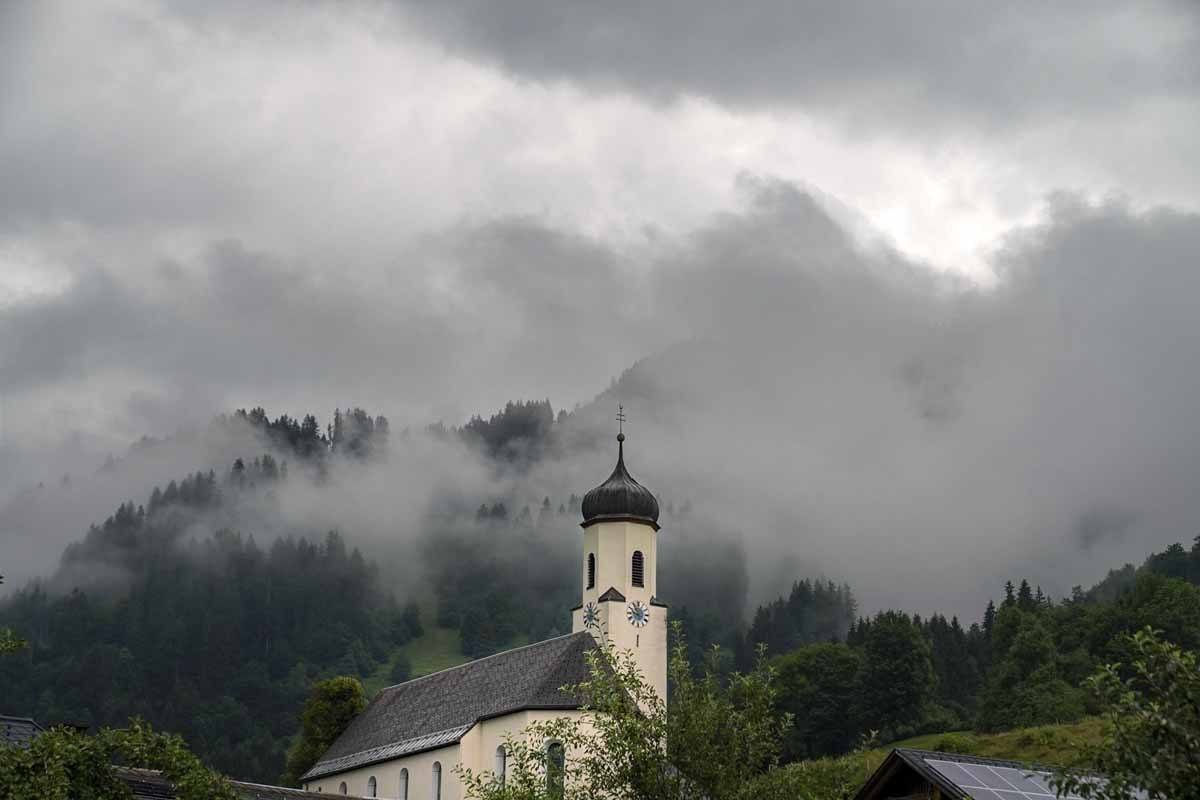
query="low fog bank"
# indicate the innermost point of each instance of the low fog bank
(847, 413)
(836, 408)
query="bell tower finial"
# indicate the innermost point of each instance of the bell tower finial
(620, 422)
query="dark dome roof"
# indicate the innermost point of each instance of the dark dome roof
(620, 497)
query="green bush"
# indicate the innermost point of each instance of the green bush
(63, 764)
(963, 743)
(1037, 737)
(820, 779)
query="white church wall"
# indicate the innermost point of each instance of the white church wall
(481, 742)
(387, 777)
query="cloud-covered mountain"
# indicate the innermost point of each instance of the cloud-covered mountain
(834, 406)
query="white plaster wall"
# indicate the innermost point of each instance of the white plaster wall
(387, 774)
(484, 738)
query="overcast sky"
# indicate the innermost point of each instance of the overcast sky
(941, 228)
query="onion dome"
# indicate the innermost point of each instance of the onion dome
(620, 498)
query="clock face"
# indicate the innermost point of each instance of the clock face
(591, 615)
(637, 614)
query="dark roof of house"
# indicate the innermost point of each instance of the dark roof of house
(620, 497)
(436, 710)
(17, 731)
(908, 772)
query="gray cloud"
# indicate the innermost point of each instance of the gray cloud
(983, 62)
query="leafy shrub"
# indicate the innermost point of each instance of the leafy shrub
(963, 743)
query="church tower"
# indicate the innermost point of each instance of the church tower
(620, 571)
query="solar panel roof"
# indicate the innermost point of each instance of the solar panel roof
(986, 782)
(990, 779)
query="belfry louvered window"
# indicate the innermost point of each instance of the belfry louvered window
(591, 571)
(639, 568)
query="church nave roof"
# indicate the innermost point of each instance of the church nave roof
(436, 710)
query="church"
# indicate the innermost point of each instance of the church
(406, 743)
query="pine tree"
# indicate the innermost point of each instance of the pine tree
(1025, 600)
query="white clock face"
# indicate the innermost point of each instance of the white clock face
(591, 615)
(637, 614)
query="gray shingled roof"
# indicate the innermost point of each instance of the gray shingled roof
(436, 710)
(17, 731)
(145, 784)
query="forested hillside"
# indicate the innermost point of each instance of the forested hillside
(216, 638)
(179, 609)
(897, 675)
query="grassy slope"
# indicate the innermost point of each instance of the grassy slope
(1047, 744)
(1050, 745)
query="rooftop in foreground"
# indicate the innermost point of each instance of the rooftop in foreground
(908, 772)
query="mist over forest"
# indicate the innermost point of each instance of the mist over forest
(213, 605)
(829, 406)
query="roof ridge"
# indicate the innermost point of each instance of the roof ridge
(967, 758)
(411, 681)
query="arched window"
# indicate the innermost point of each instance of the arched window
(404, 784)
(437, 780)
(639, 568)
(591, 571)
(342, 788)
(372, 787)
(556, 762)
(501, 764)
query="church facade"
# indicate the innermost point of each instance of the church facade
(407, 742)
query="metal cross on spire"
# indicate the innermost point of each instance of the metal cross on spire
(620, 419)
